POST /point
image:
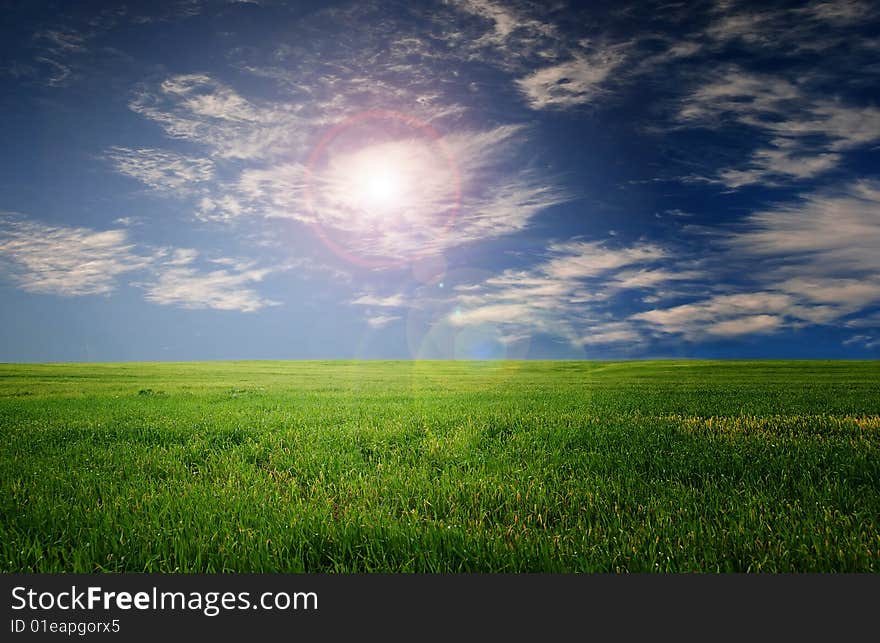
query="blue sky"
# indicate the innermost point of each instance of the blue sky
(207, 179)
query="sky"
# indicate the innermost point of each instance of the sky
(461, 179)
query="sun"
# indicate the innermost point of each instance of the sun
(383, 188)
(396, 184)
(380, 187)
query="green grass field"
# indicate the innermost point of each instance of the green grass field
(440, 467)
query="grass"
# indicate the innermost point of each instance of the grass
(440, 467)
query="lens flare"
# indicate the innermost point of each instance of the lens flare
(383, 188)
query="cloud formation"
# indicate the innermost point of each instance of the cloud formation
(58, 48)
(806, 133)
(829, 232)
(569, 294)
(166, 172)
(813, 261)
(198, 108)
(805, 263)
(380, 321)
(574, 82)
(75, 261)
(222, 289)
(64, 260)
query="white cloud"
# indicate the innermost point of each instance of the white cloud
(866, 321)
(64, 260)
(221, 208)
(182, 257)
(465, 185)
(813, 261)
(514, 36)
(814, 26)
(574, 82)
(188, 287)
(380, 321)
(276, 191)
(505, 22)
(201, 95)
(576, 291)
(58, 74)
(719, 314)
(583, 259)
(840, 12)
(808, 132)
(59, 52)
(610, 333)
(651, 277)
(75, 261)
(163, 171)
(66, 41)
(750, 27)
(785, 159)
(552, 69)
(810, 261)
(569, 294)
(456, 188)
(867, 341)
(198, 108)
(828, 233)
(497, 313)
(390, 301)
(848, 294)
(748, 325)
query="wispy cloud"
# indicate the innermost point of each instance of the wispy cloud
(585, 259)
(223, 289)
(574, 82)
(390, 301)
(65, 260)
(511, 34)
(165, 172)
(816, 26)
(198, 108)
(380, 321)
(57, 73)
(725, 315)
(62, 41)
(76, 261)
(833, 232)
(871, 321)
(569, 294)
(609, 333)
(868, 341)
(813, 261)
(58, 47)
(807, 133)
(382, 317)
(840, 12)
(551, 70)
(556, 72)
